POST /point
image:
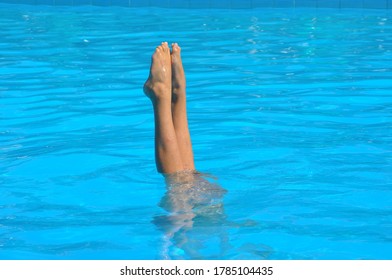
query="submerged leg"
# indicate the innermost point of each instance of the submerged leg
(179, 113)
(159, 89)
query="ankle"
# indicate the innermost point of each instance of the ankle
(178, 91)
(162, 98)
(157, 91)
(178, 98)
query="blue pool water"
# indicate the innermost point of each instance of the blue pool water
(290, 112)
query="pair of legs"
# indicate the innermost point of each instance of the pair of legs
(166, 87)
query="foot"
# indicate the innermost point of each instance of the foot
(158, 84)
(178, 75)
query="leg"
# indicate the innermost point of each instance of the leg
(180, 120)
(158, 89)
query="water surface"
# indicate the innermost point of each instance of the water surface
(290, 110)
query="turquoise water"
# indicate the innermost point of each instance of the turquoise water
(290, 112)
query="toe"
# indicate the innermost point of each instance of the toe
(176, 47)
(164, 46)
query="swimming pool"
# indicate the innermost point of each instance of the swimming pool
(290, 110)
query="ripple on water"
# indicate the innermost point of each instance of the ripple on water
(289, 110)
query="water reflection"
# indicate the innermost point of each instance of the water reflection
(195, 226)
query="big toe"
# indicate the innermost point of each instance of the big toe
(176, 48)
(165, 47)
